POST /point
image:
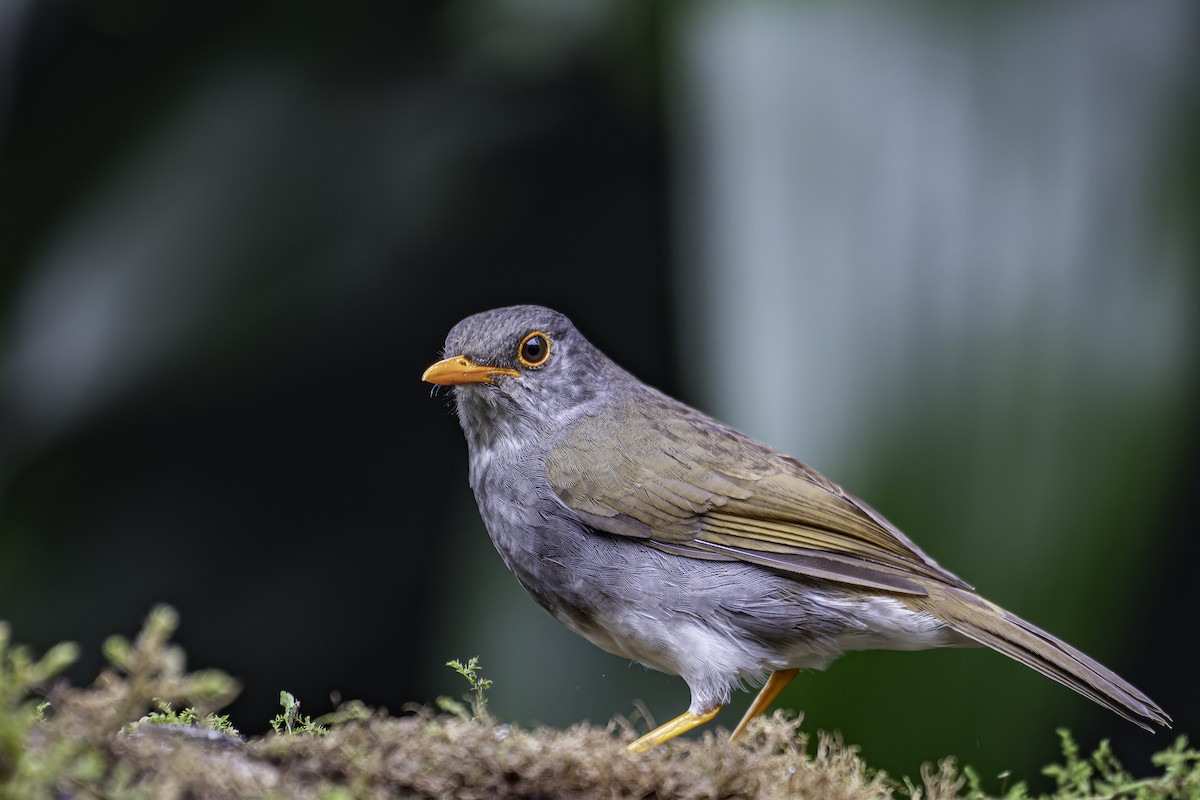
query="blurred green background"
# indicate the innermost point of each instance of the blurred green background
(946, 254)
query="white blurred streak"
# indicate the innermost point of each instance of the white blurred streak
(873, 201)
(264, 200)
(115, 292)
(933, 240)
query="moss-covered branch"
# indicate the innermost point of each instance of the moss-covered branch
(122, 737)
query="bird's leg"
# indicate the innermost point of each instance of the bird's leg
(770, 690)
(664, 733)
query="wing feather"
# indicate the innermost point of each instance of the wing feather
(695, 487)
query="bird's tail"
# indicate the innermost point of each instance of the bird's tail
(990, 625)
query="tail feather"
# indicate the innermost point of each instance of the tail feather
(992, 626)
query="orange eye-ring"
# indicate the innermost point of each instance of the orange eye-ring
(534, 350)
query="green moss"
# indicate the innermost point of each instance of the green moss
(291, 722)
(190, 717)
(122, 738)
(479, 689)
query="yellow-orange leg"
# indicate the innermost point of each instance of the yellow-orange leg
(664, 733)
(770, 690)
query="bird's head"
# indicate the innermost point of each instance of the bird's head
(520, 371)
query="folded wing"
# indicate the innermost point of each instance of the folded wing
(692, 486)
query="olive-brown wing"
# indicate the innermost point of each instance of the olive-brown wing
(689, 485)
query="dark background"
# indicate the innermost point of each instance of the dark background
(231, 238)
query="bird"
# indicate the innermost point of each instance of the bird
(665, 536)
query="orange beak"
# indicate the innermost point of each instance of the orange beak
(461, 369)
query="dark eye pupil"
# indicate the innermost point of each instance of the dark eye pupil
(534, 348)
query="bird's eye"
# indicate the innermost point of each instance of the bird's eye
(534, 350)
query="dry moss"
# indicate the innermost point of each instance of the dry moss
(108, 741)
(440, 756)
